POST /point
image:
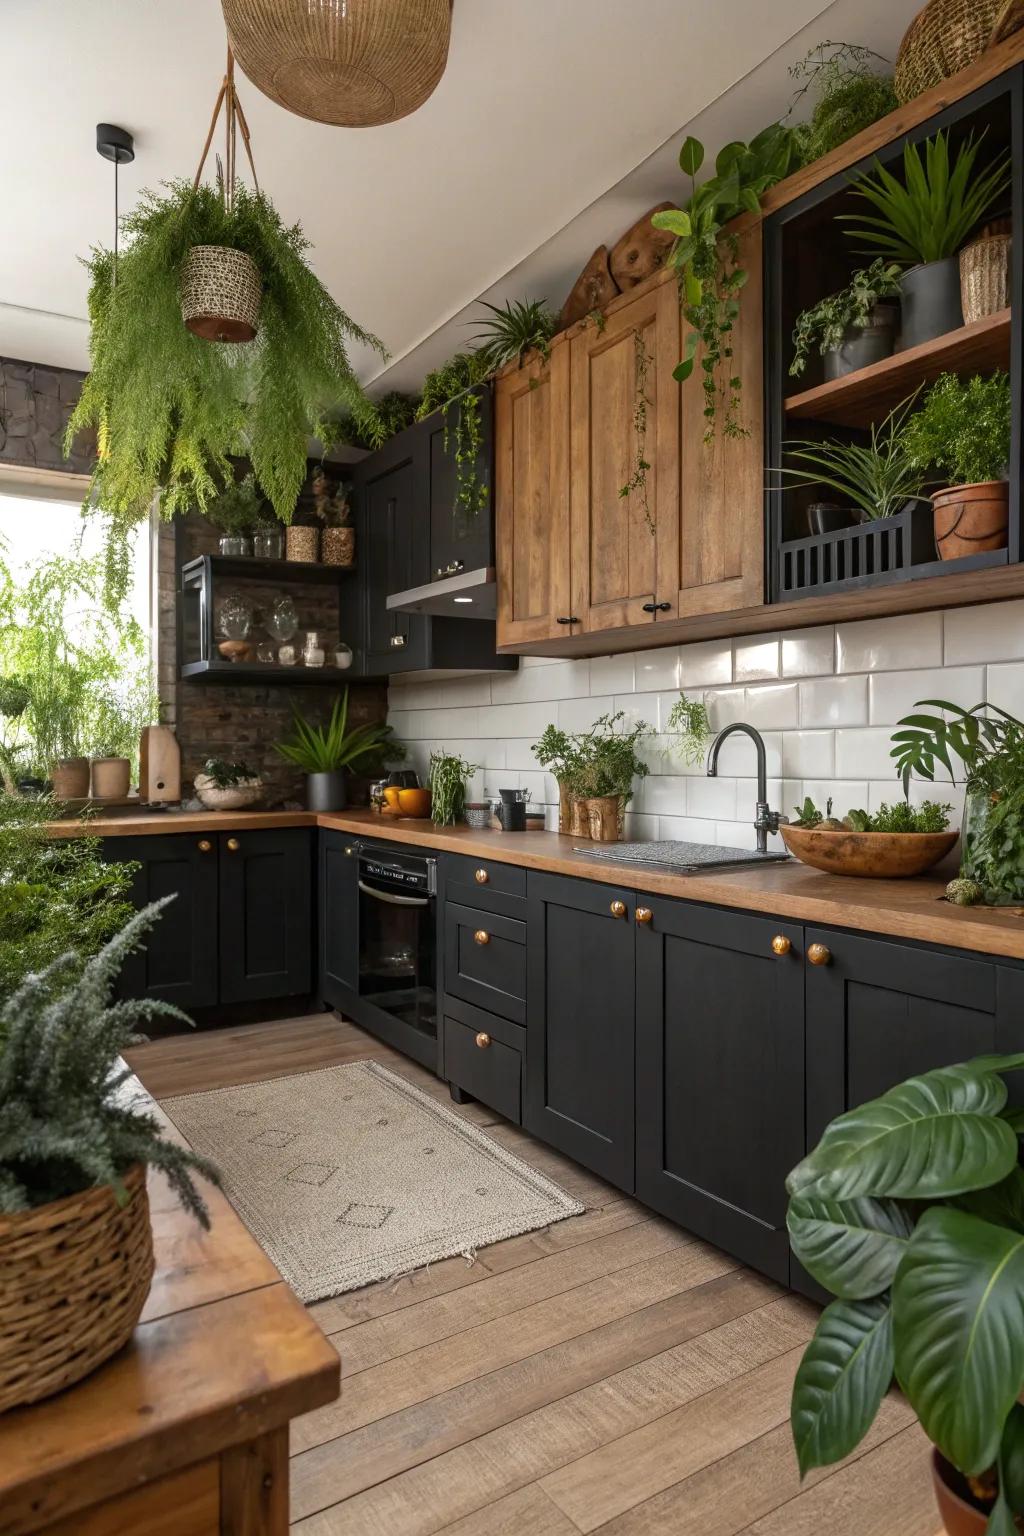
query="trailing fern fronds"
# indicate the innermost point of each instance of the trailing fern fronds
(63, 1127)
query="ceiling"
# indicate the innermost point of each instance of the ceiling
(556, 124)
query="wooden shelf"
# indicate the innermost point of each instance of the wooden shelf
(252, 568)
(860, 398)
(263, 672)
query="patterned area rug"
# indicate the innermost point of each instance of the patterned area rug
(350, 1174)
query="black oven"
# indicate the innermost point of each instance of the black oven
(398, 941)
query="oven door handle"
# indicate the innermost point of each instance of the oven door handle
(394, 901)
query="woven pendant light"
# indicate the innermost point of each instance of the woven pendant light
(356, 63)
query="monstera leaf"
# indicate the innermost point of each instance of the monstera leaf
(852, 1247)
(843, 1376)
(958, 1304)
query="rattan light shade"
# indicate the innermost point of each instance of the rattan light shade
(356, 63)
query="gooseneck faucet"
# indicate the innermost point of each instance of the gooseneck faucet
(766, 820)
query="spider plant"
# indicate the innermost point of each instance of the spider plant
(331, 748)
(930, 214)
(877, 477)
(514, 329)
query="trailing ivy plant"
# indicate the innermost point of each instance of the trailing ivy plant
(825, 325)
(642, 362)
(706, 259)
(849, 93)
(169, 408)
(452, 389)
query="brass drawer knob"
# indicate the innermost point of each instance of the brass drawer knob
(482, 936)
(644, 914)
(781, 945)
(481, 877)
(819, 954)
(618, 909)
(483, 1040)
(234, 844)
(204, 845)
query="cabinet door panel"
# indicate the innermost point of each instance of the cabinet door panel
(579, 1023)
(720, 1080)
(179, 960)
(265, 914)
(617, 371)
(391, 490)
(338, 919)
(457, 538)
(532, 499)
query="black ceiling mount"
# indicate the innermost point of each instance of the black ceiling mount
(115, 144)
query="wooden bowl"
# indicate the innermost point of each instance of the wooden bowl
(883, 855)
(414, 802)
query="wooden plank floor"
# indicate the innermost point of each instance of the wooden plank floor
(611, 1374)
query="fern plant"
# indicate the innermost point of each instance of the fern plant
(849, 93)
(515, 328)
(170, 408)
(63, 1128)
(332, 747)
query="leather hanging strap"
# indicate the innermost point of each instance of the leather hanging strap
(227, 97)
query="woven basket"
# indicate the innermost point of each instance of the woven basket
(220, 293)
(357, 65)
(74, 1276)
(985, 277)
(338, 546)
(946, 36)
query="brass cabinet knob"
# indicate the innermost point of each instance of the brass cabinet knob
(819, 954)
(644, 914)
(482, 936)
(481, 877)
(483, 1040)
(349, 852)
(234, 844)
(618, 909)
(204, 845)
(781, 945)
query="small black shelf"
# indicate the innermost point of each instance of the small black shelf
(219, 671)
(251, 568)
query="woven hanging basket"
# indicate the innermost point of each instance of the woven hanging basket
(357, 65)
(946, 36)
(76, 1274)
(985, 277)
(220, 293)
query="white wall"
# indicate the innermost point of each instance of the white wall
(826, 701)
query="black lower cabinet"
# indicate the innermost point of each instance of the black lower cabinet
(338, 897)
(720, 1074)
(266, 914)
(179, 963)
(579, 1022)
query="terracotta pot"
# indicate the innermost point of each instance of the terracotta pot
(603, 813)
(71, 778)
(959, 1517)
(971, 518)
(883, 855)
(111, 778)
(579, 819)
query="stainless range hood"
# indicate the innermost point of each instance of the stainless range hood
(466, 595)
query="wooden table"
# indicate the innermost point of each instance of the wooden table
(185, 1432)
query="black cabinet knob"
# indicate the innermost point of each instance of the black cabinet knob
(572, 619)
(656, 607)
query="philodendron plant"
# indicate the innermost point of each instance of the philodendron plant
(910, 1210)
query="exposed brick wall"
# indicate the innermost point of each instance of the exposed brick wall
(35, 403)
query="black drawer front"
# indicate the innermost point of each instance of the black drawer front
(485, 960)
(485, 883)
(477, 1061)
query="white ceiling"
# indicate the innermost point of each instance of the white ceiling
(555, 125)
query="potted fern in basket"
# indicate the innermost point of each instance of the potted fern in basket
(75, 1241)
(327, 753)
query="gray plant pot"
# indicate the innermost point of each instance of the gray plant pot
(864, 345)
(930, 302)
(326, 791)
(830, 517)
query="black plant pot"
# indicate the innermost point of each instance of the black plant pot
(930, 301)
(326, 791)
(864, 345)
(830, 517)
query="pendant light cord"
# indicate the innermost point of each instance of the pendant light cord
(117, 167)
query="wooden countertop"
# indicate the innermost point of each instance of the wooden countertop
(224, 1352)
(905, 909)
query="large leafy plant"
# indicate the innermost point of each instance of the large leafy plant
(332, 747)
(878, 477)
(705, 258)
(910, 1211)
(935, 208)
(63, 1126)
(963, 429)
(170, 408)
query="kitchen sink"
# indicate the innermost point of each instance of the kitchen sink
(684, 857)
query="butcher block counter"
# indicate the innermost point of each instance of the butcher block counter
(905, 909)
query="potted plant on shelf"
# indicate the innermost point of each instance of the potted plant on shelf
(236, 513)
(852, 328)
(74, 1215)
(849, 92)
(876, 480)
(990, 745)
(447, 777)
(334, 509)
(608, 768)
(963, 429)
(228, 786)
(116, 716)
(558, 752)
(909, 1211)
(328, 753)
(922, 222)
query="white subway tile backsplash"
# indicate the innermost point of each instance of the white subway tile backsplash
(828, 701)
(808, 652)
(808, 754)
(686, 829)
(755, 657)
(891, 695)
(864, 754)
(738, 759)
(705, 665)
(725, 706)
(579, 714)
(772, 706)
(662, 794)
(712, 799)
(1005, 688)
(994, 632)
(564, 681)
(655, 670)
(514, 719)
(894, 644)
(612, 674)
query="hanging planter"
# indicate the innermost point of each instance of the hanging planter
(220, 293)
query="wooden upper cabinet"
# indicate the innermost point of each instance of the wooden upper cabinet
(531, 506)
(718, 564)
(620, 543)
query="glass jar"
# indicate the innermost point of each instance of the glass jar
(286, 655)
(343, 656)
(282, 619)
(234, 544)
(234, 617)
(313, 651)
(992, 846)
(265, 651)
(268, 543)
